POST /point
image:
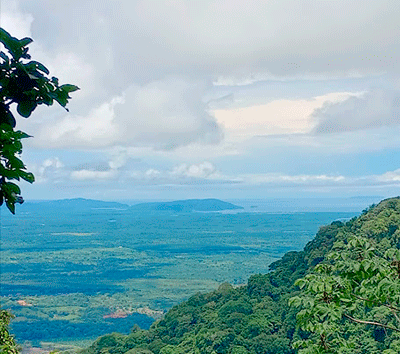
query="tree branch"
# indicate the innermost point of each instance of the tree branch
(371, 323)
(395, 315)
(377, 302)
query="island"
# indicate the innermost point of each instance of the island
(188, 205)
(71, 204)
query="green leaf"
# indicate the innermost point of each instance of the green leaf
(61, 100)
(69, 88)
(23, 135)
(11, 43)
(4, 57)
(54, 80)
(11, 206)
(7, 117)
(27, 176)
(40, 66)
(3, 34)
(25, 108)
(13, 188)
(25, 41)
(295, 301)
(48, 100)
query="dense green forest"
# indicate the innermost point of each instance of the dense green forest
(256, 318)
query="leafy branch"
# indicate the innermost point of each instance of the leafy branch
(26, 84)
(358, 280)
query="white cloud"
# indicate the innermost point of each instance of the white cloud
(66, 65)
(163, 115)
(166, 114)
(152, 173)
(282, 179)
(145, 69)
(69, 67)
(390, 177)
(17, 23)
(276, 179)
(119, 157)
(49, 170)
(206, 172)
(84, 175)
(54, 162)
(158, 73)
(95, 130)
(276, 117)
(112, 170)
(145, 40)
(202, 170)
(180, 174)
(371, 110)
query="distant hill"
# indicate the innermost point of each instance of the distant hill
(72, 204)
(188, 205)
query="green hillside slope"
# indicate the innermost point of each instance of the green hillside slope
(254, 318)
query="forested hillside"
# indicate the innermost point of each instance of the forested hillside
(256, 318)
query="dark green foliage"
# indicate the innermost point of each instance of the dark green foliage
(256, 318)
(7, 343)
(350, 302)
(23, 82)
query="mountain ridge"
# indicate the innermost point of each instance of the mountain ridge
(186, 205)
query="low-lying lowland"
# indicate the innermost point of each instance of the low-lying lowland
(75, 270)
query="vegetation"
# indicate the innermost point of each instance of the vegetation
(23, 82)
(256, 318)
(7, 342)
(101, 257)
(355, 289)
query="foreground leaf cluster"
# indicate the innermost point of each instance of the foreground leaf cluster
(7, 342)
(351, 301)
(24, 83)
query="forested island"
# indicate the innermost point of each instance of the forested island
(256, 318)
(188, 205)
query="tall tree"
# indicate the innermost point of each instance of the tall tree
(26, 84)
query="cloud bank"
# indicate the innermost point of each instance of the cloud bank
(187, 86)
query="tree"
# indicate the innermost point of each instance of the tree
(24, 83)
(351, 302)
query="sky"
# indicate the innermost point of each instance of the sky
(214, 98)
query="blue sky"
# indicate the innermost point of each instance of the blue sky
(214, 98)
